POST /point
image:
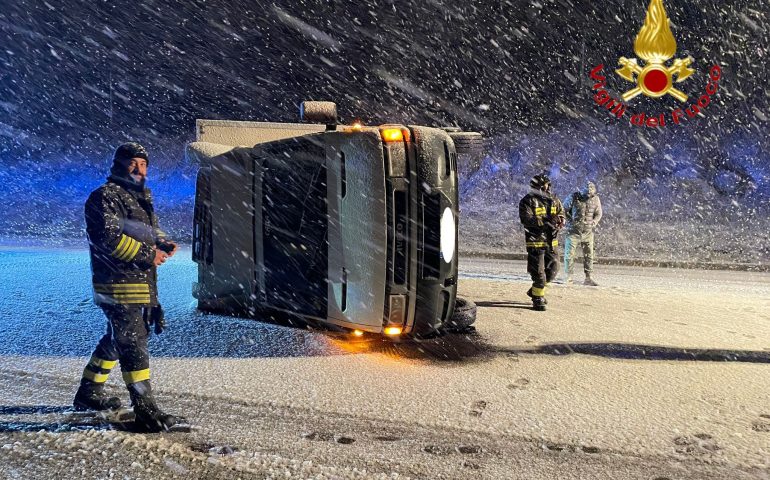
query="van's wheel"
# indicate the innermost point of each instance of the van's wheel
(470, 151)
(467, 143)
(463, 317)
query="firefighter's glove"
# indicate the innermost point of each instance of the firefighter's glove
(169, 248)
(552, 227)
(157, 319)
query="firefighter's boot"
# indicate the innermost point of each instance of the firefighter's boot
(538, 303)
(589, 281)
(149, 417)
(91, 396)
(529, 294)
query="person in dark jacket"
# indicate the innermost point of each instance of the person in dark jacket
(126, 247)
(542, 216)
(584, 211)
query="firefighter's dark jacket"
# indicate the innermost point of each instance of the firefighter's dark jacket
(122, 234)
(539, 212)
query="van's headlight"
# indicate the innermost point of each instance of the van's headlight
(448, 231)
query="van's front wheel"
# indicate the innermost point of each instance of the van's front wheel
(463, 317)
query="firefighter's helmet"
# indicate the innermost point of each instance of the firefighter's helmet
(540, 182)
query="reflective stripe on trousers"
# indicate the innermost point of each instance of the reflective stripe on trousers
(543, 266)
(125, 340)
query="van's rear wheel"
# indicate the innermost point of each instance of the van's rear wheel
(467, 143)
(464, 315)
(470, 151)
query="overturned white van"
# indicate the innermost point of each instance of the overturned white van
(348, 225)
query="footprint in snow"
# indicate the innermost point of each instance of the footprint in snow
(762, 425)
(444, 450)
(519, 384)
(213, 449)
(560, 447)
(469, 449)
(440, 450)
(319, 436)
(328, 437)
(699, 444)
(512, 356)
(477, 408)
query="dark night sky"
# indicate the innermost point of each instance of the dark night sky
(79, 76)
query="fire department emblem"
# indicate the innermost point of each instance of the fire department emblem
(656, 45)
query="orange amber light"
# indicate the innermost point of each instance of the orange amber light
(393, 331)
(392, 135)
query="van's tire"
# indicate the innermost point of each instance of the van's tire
(464, 315)
(467, 143)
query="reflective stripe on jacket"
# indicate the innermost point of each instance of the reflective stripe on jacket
(538, 212)
(122, 234)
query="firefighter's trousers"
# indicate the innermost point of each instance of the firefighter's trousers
(543, 266)
(126, 342)
(586, 242)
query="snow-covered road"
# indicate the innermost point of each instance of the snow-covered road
(627, 380)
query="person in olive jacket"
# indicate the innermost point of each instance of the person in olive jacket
(542, 216)
(126, 247)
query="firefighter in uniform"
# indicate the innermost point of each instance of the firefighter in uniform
(126, 248)
(542, 216)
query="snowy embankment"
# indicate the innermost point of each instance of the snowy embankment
(663, 202)
(661, 205)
